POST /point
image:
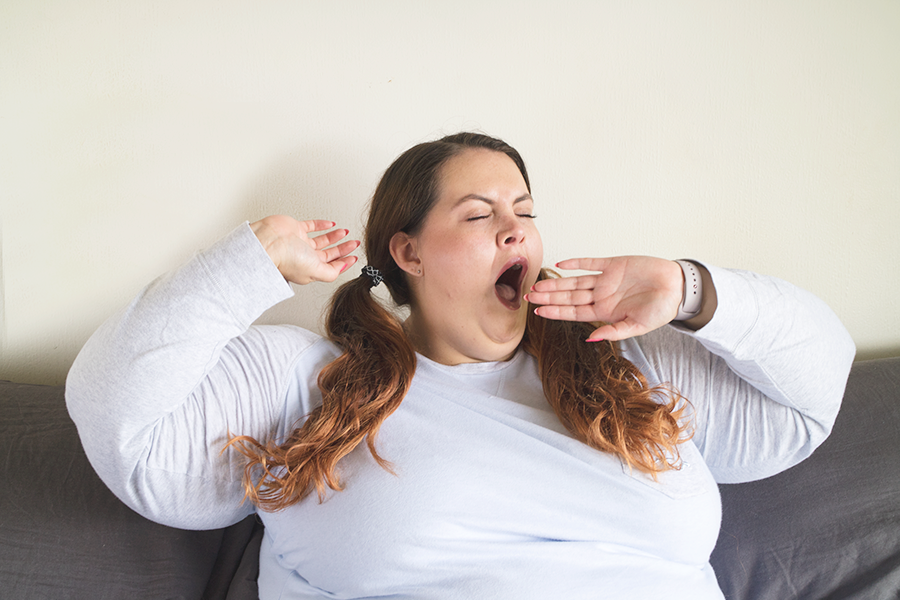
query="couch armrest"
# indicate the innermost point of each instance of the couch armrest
(829, 527)
(64, 534)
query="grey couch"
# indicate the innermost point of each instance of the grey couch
(828, 528)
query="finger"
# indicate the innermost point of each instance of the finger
(346, 262)
(327, 239)
(563, 298)
(567, 313)
(615, 331)
(582, 282)
(584, 264)
(335, 253)
(316, 225)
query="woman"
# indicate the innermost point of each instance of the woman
(509, 452)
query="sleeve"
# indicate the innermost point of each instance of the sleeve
(764, 378)
(158, 388)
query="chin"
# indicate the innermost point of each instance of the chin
(508, 341)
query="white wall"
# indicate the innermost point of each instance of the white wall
(762, 135)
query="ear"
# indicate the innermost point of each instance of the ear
(404, 250)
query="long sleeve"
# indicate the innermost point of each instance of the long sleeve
(159, 387)
(764, 378)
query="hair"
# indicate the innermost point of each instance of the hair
(600, 397)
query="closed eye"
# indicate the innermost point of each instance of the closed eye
(480, 217)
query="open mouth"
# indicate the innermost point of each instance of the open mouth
(509, 285)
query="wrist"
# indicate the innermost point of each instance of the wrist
(267, 231)
(692, 291)
(706, 291)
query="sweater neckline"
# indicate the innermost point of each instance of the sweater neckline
(474, 368)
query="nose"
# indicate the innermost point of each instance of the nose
(510, 232)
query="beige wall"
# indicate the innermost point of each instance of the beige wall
(759, 135)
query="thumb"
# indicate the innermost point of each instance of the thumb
(615, 331)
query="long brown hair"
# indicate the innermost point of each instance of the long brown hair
(601, 398)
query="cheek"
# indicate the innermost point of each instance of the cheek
(455, 253)
(451, 267)
(537, 241)
(537, 254)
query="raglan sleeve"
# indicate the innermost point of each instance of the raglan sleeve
(764, 378)
(158, 389)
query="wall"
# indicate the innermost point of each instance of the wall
(761, 135)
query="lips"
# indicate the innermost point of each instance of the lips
(509, 285)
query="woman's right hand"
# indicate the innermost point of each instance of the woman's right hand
(300, 257)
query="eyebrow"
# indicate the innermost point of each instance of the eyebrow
(468, 197)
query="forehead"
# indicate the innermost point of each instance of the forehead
(480, 172)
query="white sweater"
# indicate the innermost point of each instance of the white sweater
(492, 496)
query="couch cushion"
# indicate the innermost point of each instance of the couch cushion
(829, 527)
(64, 534)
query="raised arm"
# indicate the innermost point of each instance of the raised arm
(158, 388)
(764, 371)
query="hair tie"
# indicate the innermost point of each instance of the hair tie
(374, 274)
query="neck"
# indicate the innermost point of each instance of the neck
(440, 351)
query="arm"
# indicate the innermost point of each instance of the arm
(764, 371)
(765, 377)
(158, 388)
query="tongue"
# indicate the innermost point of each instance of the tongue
(506, 292)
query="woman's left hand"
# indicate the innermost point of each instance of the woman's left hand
(632, 294)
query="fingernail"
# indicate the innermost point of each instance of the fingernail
(594, 340)
(347, 266)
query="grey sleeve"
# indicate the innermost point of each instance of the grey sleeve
(158, 388)
(764, 378)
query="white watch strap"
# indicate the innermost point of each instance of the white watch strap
(693, 291)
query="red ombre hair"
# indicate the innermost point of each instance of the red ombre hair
(600, 397)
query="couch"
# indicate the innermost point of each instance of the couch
(827, 528)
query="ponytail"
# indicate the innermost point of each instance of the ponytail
(602, 398)
(598, 395)
(360, 389)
